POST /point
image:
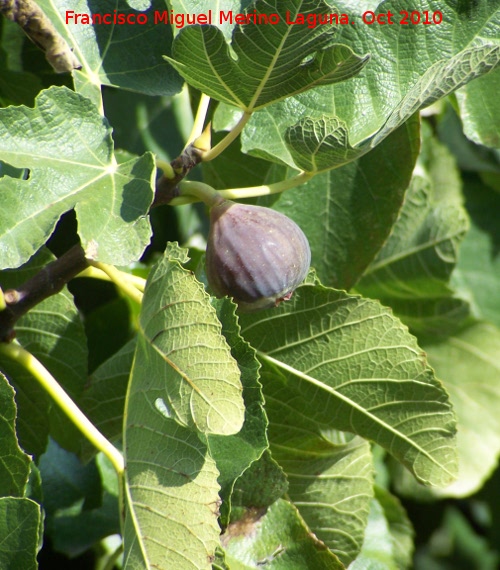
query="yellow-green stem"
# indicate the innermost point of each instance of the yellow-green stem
(228, 139)
(95, 273)
(166, 168)
(57, 393)
(3, 304)
(191, 190)
(117, 277)
(199, 191)
(199, 120)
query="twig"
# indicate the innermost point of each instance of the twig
(48, 281)
(41, 32)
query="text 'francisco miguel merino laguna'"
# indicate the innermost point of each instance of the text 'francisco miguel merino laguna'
(180, 20)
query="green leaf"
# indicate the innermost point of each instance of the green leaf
(103, 402)
(20, 521)
(480, 110)
(477, 275)
(356, 368)
(233, 454)
(79, 512)
(469, 365)
(262, 484)
(66, 145)
(15, 464)
(421, 252)
(203, 6)
(53, 332)
(171, 493)
(183, 364)
(379, 547)
(109, 54)
(319, 144)
(16, 87)
(407, 71)
(330, 482)
(66, 482)
(411, 272)
(279, 540)
(399, 527)
(266, 62)
(347, 214)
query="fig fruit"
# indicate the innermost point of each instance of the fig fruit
(255, 255)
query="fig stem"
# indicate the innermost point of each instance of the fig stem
(199, 120)
(166, 168)
(189, 191)
(116, 276)
(3, 304)
(16, 352)
(228, 139)
(94, 273)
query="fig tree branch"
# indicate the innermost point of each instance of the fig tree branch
(47, 282)
(37, 26)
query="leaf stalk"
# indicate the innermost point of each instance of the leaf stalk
(119, 279)
(17, 353)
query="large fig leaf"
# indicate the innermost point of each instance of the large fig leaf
(14, 467)
(233, 454)
(183, 366)
(351, 210)
(330, 476)
(279, 540)
(66, 148)
(109, 54)
(411, 272)
(356, 368)
(171, 493)
(267, 62)
(410, 68)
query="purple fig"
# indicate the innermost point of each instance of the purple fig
(255, 255)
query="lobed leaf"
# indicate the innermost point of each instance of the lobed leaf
(171, 493)
(127, 56)
(279, 540)
(234, 454)
(350, 211)
(330, 475)
(20, 529)
(266, 62)
(66, 146)
(181, 357)
(415, 66)
(411, 272)
(355, 368)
